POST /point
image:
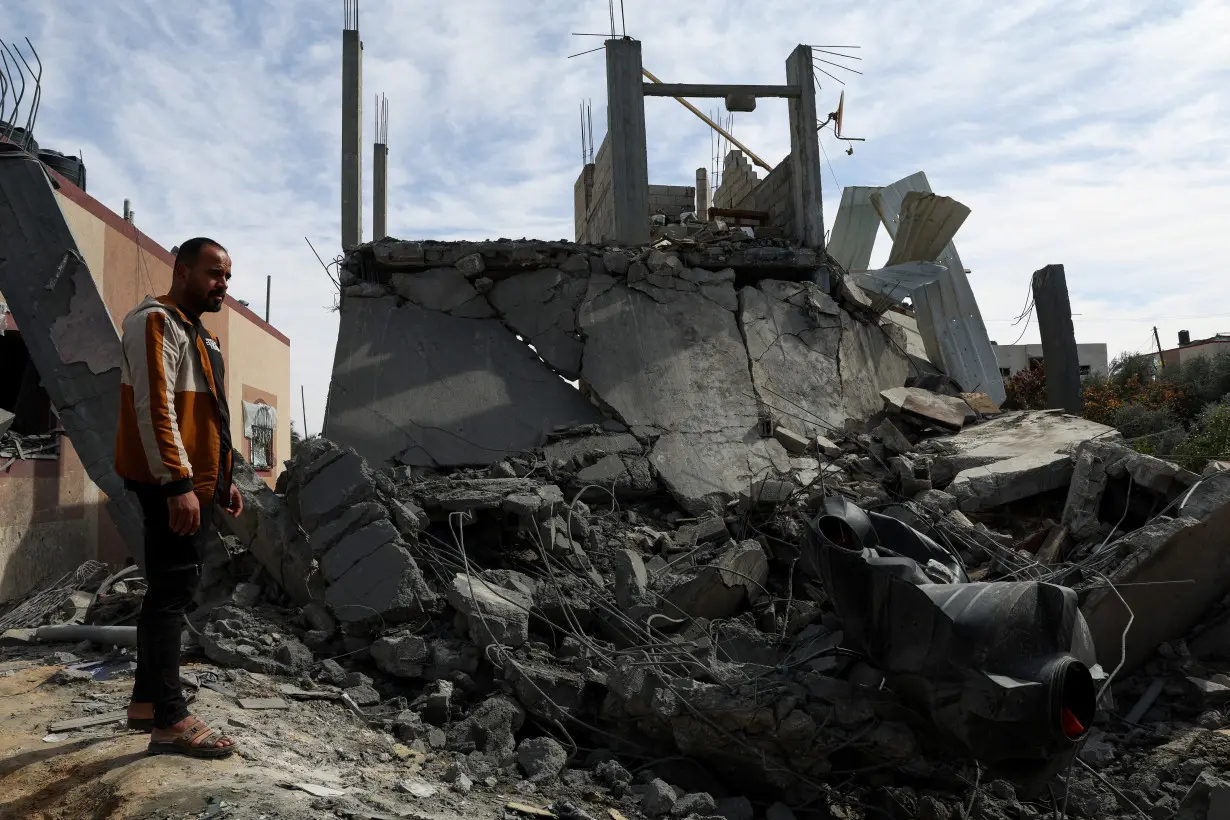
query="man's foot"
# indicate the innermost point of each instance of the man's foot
(193, 738)
(141, 716)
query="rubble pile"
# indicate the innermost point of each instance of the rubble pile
(514, 617)
(686, 531)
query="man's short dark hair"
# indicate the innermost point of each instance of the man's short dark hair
(190, 251)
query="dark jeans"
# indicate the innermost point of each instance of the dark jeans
(172, 572)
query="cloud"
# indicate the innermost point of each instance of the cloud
(1085, 133)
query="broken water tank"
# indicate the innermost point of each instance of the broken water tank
(70, 167)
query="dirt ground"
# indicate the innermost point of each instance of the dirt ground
(103, 772)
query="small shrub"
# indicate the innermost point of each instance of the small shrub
(1208, 439)
(1026, 390)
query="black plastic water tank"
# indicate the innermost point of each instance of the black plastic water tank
(70, 167)
(18, 137)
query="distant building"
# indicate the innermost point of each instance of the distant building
(1201, 348)
(1015, 358)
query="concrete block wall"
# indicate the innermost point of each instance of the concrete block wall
(739, 182)
(597, 222)
(671, 200)
(773, 195)
(741, 189)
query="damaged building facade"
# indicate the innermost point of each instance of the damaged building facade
(55, 514)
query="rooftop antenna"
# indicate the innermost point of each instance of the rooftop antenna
(589, 113)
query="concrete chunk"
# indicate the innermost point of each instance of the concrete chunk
(893, 438)
(353, 548)
(495, 615)
(980, 488)
(943, 411)
(442, 289)
(402, 654)
(386, 584)
(631, 579)
(6, 418)
(792, 441)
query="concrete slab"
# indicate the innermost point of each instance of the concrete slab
(942, 411)
(709, 448)
(981, 488)
(386, 584)
(542, 307)
(441, 289)
(1009, 436)
(495, 614)
(1099, 461)
(419, 387)
(1169, 580)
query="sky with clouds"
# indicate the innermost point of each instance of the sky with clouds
(1092, 134)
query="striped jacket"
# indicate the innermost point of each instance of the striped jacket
(174, 426)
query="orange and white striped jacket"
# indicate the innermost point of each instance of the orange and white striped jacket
(173, 431)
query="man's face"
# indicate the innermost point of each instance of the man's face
(206, 280)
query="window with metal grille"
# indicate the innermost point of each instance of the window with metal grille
(260, 443)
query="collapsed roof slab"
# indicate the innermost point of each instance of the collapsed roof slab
(451, 355)
(66, 327)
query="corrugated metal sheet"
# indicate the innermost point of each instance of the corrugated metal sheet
(948, 315)
(925, 226)
(854, 229)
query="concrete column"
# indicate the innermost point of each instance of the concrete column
(380, 193)
(1063, 369)
(702, 194)
(808, 225)
(352, 138)
(625, 111)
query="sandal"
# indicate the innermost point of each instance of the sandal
(198, 740)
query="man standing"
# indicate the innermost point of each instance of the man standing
(173, 449)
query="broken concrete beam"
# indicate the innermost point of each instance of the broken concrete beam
(1009, 436)
(943, 411)
(465, 495)
(494, 614)
(66, 328)
(792, 441)
(434, 389)
(981, 488)
(1170, 582)
(981, 404)
(1100, 461)
(709, 527)
(1208, 496)
(828, 447)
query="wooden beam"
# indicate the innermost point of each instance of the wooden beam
(729, 137)
(703, 90)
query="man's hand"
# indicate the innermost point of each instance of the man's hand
(184, 513)
(234, 504)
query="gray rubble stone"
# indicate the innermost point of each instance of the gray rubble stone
(434, 389)
(386, 584)
(708, 527)
(717, 590)
(631, 579)
(331, 671)
(658, 799)
(1210, 495)
(893, 438)
(795, 443)
(437, 702)
(494, 614)
(1207, 799)
(828, 448)
(402, 654)
(294, 654)
(363, 695)
(354, 547)
(541, 758)
(345, 482)
(614, 776)
(616, 262)
(471, 265)
(700, 803)
(355, 518)
(319, 618)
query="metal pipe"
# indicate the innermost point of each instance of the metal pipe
(70, 633)
(268, 288)
(714, 126)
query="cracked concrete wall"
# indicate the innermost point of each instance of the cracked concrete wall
(434, 364)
